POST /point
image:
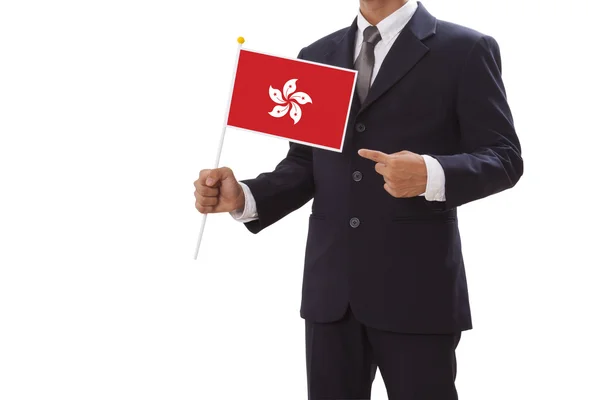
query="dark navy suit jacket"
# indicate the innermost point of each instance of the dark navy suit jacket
(399, 264)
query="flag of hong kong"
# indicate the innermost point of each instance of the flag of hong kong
(298, 100)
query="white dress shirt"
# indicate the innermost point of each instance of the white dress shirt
(389, 28)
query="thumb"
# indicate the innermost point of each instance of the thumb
(217, 175)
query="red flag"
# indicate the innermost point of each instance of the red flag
(298, 100)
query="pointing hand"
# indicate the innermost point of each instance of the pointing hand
(404, 173)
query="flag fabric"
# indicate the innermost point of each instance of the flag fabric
(301, 101)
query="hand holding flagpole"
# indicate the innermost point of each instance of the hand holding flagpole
(240, 41)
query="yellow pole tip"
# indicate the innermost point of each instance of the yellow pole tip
(241, 40)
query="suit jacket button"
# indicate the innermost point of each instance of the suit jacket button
(354, 222)
(360, 127)
(357, 176)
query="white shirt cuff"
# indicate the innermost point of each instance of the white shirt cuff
(248, 213)
(436, 180)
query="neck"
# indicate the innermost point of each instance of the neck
(375, 11)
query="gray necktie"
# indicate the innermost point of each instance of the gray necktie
(365, 61)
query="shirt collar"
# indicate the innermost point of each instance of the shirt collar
(391, 25)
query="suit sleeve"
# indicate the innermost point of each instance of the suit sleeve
(285, 189)
(490, 159)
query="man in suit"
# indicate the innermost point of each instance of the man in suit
(429, 130)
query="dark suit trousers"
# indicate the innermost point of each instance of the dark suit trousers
(343, 356)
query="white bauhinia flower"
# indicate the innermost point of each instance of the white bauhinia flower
(290, 101)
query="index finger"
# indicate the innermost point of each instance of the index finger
(374, 155)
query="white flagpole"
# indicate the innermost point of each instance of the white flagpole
(240, 41)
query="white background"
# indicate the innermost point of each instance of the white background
(109, 109)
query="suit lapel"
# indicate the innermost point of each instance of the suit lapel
(343, 56)
(404, 54)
